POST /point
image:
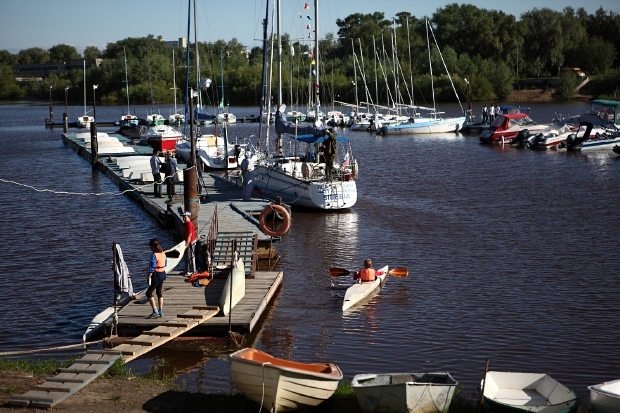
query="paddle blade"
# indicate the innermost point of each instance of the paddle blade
(338, 272)
(399, 272)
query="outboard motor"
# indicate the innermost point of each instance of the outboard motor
(570, 142)
(521, 138)
(532, 143)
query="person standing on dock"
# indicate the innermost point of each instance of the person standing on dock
(155, 168)
(485, 114)
(189, 234)
(247, 169)
(157, 276)
(171, 175)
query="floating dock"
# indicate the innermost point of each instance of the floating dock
(235, 219)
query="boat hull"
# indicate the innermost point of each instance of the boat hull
(236, 282)
(605, 397)
(404, 392)
(436, 126)
(361, 290)
(527, 392)
(306, 193)
(282, 385)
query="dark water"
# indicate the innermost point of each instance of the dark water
(512, 256)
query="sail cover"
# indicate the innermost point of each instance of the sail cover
(284, 126)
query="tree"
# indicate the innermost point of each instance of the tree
(7, 58)
(91, 52)
(543, 40)
(33, 56)
(63, 53)
(594, 55)
(8, 88)
(606, 25)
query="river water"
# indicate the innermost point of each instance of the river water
(512, 257)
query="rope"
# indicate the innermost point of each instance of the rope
(12, 353)
(262, 398)
(138, 188)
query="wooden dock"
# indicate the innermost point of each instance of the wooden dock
(236, 219)
(70, 380)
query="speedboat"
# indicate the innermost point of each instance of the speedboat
(506, 127)
(214, 152)
(162, 137)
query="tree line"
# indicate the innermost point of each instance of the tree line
(384, 60)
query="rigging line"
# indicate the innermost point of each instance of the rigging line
(11, 353)
(7, 181)
(445, 67)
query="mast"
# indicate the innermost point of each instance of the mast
(317, 102)
(264, 74)
(410, 67)
(148, 63)
(126, 80)
(85, 85)
(199, 101)
(279, 138)
(357, 102)
(189, 15)
(374, 49)
(174, 83)
(430, 65)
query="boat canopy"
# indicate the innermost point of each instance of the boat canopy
(609, 110)
(316, 139)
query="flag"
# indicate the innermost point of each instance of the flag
(292, 51)
(307, 6)
(95, 86)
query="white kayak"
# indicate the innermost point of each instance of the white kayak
(100, 319)
(360, 290)
(236, 281)
(174, 256)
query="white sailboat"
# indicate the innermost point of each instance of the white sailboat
(432, 120)
(85, 120)
(302, 178)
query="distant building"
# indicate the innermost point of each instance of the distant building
(173, 44)
(37, 72)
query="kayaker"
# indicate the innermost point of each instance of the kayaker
(367, 273)
(157, 276)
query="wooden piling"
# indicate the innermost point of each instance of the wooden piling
(484, 381)
(94, 146)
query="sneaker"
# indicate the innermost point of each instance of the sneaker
(154, 314)
(161, 313)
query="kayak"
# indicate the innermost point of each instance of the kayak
(174, 256)
(360, 290)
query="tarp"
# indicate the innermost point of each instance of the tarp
(122, 279)
(317, 139)
(284, 126)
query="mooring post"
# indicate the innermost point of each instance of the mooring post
(65, 122)
(94, 146)
(190, 174)
(484, 381)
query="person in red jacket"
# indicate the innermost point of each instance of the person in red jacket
(367, 273)
(189, 235)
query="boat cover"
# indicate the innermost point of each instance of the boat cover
(284, 126)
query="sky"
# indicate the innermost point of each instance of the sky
(80, 23)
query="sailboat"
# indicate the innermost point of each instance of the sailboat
(303, 178)
(432, 121)
(130, 125)
(175, 118)
(85, 120)
(224, 114)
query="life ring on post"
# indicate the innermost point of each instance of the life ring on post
(271, 209)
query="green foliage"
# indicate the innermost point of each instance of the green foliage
(91, 52)
(502, 81)
(39, 366)
(594, 55)
(566, 88)
(117, 370)
(8, 87)
(63, 53)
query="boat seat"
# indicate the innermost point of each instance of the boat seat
(401, 378)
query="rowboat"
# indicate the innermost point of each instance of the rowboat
(174, 256)
(527, 392)
(404, 392)
(236, 281)
(605, 397)
(281, 385)
(360, 290)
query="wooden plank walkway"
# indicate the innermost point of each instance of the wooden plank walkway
(70, 380)
(179, 294)
(236, 220)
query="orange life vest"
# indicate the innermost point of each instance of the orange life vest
(367, 274)
(160, 261)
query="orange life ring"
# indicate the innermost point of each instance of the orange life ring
(273, 208)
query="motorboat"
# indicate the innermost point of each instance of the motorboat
(605, 397)
(214, 151)
(162, 137)
(281, 385)
(604, 113)
(506, 127)
(527, 392)
(404, 392)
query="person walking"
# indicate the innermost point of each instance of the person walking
(155, 169)
(189, 234)
(247, 169)
(156, 278)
